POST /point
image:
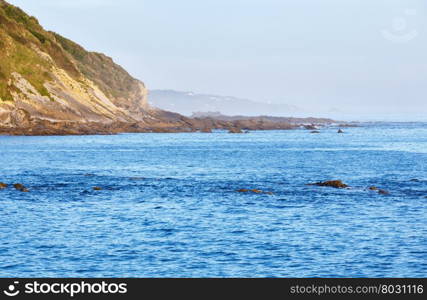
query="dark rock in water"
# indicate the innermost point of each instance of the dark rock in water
(414, 180)
(340, 131)
(383, 192)
(256, 191)
(338, 184)
(247, 131)
(3, 186)
(310, 127)
(315, 131)
(20, 187)
(97, 188)
(235, 130)
(89, 175)
(206, 130)
(380, 191)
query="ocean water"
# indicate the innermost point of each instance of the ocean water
(169, 207)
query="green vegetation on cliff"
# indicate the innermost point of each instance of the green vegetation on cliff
(17, 32)
(110, 77)
(22, 39)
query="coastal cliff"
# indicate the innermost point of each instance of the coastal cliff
(49, 85)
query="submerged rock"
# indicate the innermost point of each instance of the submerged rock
(380, 191)
(3, 186)
(255, 191)
(383, 192)
(20, 187)
(338, 184)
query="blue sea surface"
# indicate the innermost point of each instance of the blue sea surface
(169, 205)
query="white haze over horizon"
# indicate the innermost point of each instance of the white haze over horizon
(356, 58)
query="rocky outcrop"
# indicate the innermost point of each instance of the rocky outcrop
(20, 187)
(310, 127)
(206, 130)
(315, 122)
(338, 184)
(235, 130)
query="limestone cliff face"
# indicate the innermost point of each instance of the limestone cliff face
(46, 77)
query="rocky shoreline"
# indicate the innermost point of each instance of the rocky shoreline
(166, 123)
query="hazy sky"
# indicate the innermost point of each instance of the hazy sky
(352, 55)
